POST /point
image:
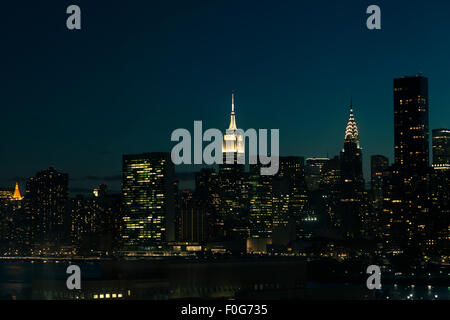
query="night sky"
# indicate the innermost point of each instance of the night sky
(137, 70)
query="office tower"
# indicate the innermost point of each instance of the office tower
(407, 199)
(12, 224)
(6, 193)
(46, 201)
(440, 186)
(233, 183)
(313, 171)
(441, 149)
(331, 174)
(352, 182)
(330, 186)
(260, 198)
(96, 222)
(148, 187)
(82, 218)
(378, 169)
(193, 218)
(411, 124)
(207, 190)
(290, 196)
(378, 165)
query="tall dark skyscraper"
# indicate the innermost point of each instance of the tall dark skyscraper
(441, 149)
(233, 182)
(208, 192)
(411, 148)
(193, 218)
(148, 187)
(290, 197)
(261, 208)
(46, 201)
(378, 165)
(408, 199)
(352, 181)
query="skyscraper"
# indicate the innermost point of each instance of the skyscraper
(46, 201)
(233, 144)
(441, 149)
(261, 203)
(193, 218)
(313, 172)
(411, 124)
(290, 197)
(233, 182)
(408, 199)
(207, 190)
(148, 187)
(378, 164)
(352, 182)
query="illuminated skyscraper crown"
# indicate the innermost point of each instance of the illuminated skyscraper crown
(351, 131)
(232, 140)
(17, 195)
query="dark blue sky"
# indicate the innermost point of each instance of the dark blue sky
(137, 70)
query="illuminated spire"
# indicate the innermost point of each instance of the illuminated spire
(17, 195)
(232, 140)
(351, 132)
(233, 116)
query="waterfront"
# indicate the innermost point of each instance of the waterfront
(180, 279)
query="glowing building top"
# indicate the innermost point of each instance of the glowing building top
(351, 131)
(16, 195)
(233, 139)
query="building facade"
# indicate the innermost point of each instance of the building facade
(148, 187)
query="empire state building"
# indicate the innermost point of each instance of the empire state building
(233, 144)
(233, 184)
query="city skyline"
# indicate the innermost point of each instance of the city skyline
(273, 60)
(214, 153)
(247, 210)
(186, 176)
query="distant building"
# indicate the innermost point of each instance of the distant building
(313, 172)
(96, 222)
(352, 181)
(378, 165)
(6, 193)
(441, 149)
(411, 148)
(261, 203)
(149, 190)
(330, 186)
(290, 196)
(207, 191)
(13, 235)
(193, 218)
(46, 201)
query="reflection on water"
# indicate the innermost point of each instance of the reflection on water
(16, 282)
(16, 276)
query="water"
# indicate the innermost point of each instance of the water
(16, 281)
(16, 276)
